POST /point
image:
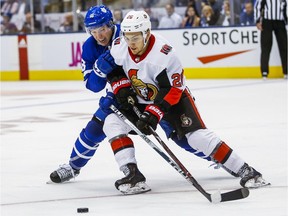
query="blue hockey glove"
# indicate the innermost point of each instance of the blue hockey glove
(104, 64)
(150, 117)
(105, 102)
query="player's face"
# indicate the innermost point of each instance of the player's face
(102, 34)
(135, 42)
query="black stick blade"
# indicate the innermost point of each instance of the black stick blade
(235, 195)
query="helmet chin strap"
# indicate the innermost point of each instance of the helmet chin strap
(145, 34)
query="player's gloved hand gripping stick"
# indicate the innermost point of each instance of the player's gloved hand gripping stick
(177, 165)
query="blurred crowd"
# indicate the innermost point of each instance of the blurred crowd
(18, 16)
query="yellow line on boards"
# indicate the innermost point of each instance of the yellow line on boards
(190, 73)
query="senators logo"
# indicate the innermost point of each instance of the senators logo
(186, 121)
(166, 49)
(117, 41)
(146, 91)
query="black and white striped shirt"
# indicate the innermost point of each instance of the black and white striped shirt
(271, 10)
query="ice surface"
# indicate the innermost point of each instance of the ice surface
(41, 120)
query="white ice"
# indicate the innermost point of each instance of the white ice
(41, 120)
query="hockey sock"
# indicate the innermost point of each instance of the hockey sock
(124, 151)
(221, 153)
(86, 144)
(224, 155)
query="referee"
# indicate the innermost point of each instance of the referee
(271, 15)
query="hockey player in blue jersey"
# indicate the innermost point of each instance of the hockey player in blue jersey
(99, 24)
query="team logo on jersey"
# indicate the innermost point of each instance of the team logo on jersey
(166, 49)
(117, 41)
(129, 17)
(186, 121)
(146, 91)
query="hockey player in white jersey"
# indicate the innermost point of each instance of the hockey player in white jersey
(150, 68)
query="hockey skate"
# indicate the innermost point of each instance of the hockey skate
(133, 182)
(64, 173)
(251, 178)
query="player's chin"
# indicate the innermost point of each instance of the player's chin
(134, 51)
(103, 42)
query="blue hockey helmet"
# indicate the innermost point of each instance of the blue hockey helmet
(98, 16)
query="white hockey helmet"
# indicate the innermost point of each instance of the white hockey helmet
(136, 21)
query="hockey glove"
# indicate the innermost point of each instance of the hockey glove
(122, 90)
(122, 98)
(104, 64)
(150, 117)
(105, 102)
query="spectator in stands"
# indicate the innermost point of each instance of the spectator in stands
(225, 16)
(191, 18)
(247, 15)
(27, 27)
(171, 19)
(216, 7)
(19, 18)
(117, 16)
(9, 8)
(153, 17)
(197, 4)
(207, 18)
(67, 25)
(8, 27)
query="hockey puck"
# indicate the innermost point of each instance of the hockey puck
(82, 210)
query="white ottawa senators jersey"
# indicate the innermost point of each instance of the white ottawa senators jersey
(143, 71)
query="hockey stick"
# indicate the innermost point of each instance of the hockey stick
(214, 198)
(233, 195)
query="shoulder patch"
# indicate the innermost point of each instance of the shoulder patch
(117, 41)
(166, 49)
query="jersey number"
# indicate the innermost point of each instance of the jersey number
(177, 79)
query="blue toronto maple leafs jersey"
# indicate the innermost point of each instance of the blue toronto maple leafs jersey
(91, 51)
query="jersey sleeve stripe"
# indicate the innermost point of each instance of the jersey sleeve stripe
(173, 96)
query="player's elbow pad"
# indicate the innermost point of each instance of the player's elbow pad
(97, 71)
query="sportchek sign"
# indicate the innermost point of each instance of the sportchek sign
(224, 52)
(219, 47)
